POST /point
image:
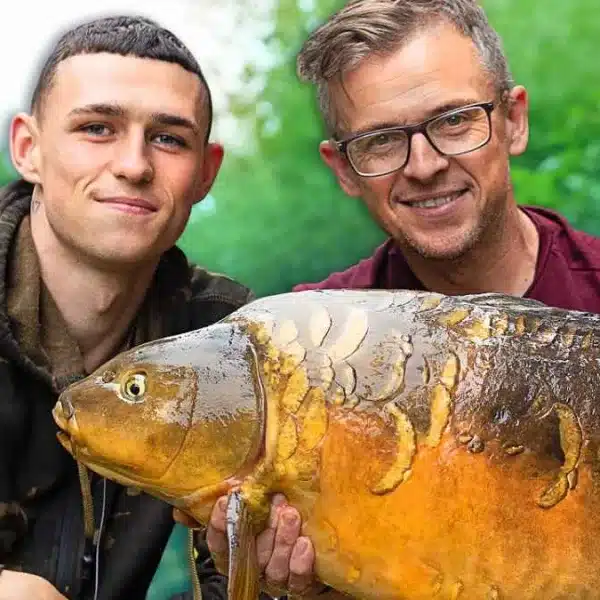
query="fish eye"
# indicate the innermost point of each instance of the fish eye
(134, 387)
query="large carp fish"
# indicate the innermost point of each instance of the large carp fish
(436, 447)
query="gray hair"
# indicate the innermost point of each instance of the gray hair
(365, 27)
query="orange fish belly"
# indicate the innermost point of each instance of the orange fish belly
(462, 524)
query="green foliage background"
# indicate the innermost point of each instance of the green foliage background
(280, 218)
(276, 216)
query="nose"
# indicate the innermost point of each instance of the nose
(132, 161)
(425, 162)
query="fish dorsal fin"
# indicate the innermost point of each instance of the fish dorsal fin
(500, 300)
(243, 560)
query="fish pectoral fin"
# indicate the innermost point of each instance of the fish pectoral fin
(243, 560)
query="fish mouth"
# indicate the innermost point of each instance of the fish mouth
(65, 442)
(64, 417)
(70, 439)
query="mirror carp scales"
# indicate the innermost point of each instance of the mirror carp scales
(437, 447)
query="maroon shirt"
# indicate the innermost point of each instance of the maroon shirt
(567, 274)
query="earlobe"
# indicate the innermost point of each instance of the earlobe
(340, 167)
(518, 120)
(24, 147)
(213, 160)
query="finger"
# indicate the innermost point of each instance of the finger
(287, 532)
(266, 538)
(218, 516)
(216, 537)
(301, 566)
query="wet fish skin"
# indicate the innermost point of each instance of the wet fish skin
(436, 447)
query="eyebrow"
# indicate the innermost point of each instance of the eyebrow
(114, 110)
(438, 110)
(109, 110)
(174, 121)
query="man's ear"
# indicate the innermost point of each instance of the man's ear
(213, 159)
(517, 120)
(24, 147)
(346, 177)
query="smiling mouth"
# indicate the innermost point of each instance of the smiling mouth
(134, 203)
(433, 201)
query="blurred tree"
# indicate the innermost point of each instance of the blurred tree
(550, 48)
(280, 204)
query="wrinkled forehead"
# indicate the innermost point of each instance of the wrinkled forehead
(435, 67)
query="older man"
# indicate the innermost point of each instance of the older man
(423, 118)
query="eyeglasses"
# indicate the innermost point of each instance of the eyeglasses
(452, 133)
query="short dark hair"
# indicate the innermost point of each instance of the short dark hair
(125, 35)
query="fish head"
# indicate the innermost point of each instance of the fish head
(177, 416)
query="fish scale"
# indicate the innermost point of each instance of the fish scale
(436, 447)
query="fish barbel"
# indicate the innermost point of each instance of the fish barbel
(436, 447)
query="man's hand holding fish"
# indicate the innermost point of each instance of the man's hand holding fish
(285, 558)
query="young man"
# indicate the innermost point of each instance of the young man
(112, 157)
(424, 117)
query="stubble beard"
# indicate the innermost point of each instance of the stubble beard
(485, 231)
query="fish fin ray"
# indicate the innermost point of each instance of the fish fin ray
(243, 560)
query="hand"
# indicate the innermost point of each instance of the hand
(15, 585)
(285, 558)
